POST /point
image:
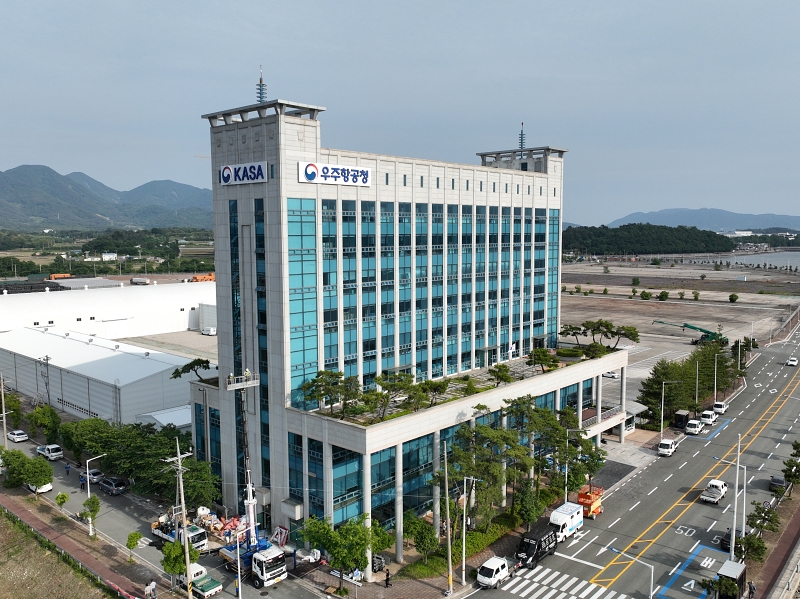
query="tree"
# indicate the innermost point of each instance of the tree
(174, 560)
(37, 473)
(61, 499)
(14, 406)
(605, 290)
(724, 586)
(194, 366)
(541, 357)
(791, 472)
(526, 504)
(351, 395)
(435, 389)
(594, 350)
(597, 328)
(14, 461)
(763, 518)
(426, 540)
(676, 396)
(92, 506)
(381, 538)
(416, 398)
(645, 295)
(696, 295)
(393, 385)
(470, 388)
(732, 298)
(200, 485)
(500, 374)
(346, 546)
(132, 543)
(702, 277)
(571, 330)
(46, 419)
(410, 524)
(635, 281)
(324, 389)
(751, 547)
(625, 332)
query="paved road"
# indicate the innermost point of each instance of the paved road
(656, 515)
(121, 515)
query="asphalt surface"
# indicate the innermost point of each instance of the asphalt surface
(120, 515)
(655, 515)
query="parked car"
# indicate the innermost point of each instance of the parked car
(94, 476)
(17, 436)
(113, 485)
(694, 427)
(667, 447)
(720, 407)
(777, 483)
(611, 375)
(42, 489)
(791, 361)
(725, 543)
(708, 417)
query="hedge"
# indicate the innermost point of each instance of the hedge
(567, 352)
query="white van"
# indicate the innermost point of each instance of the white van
(667, 447)
(566, 520)
(720, 407)
(212, 331)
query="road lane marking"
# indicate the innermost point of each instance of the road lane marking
(760, 467)
(514, 582)
(665, 521)
(614, 522)
(541, 574)
(587, 590)
(742, 412)
(695, 453)
(629, 509)
(734, 420)
(551, 577)
(580, 561)
(778, 445)
(751, 479)
(709, 530)
(682, 465)
(726, 509)
(579, 587)
(565, 582)
(769, 456)
(598, 593)
(782, 438)
(707, 444)
(694, 546)
(653, 491)
(529, 589)
(655, 591)
(585, 546)
(671, 572)
(669, 477)
(604, 549)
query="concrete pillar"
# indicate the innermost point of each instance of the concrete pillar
(579, 407)
(623, 381)
(398, 503)
(327, 473)
(437, 491)
(504, 424)
(366, 494)
(599, 383)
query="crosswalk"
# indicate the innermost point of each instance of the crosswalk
(544, 583)
(645, 366)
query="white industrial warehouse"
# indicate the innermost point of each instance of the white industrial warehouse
(114, 312)
(89, 376)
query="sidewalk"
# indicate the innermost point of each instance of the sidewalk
(779, 557)
(114, 568)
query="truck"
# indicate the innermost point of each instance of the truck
(566, 520)
(140, 281)
(203, 585)
(496, 570)
(715, 491)
(539, 542)
(591, 498)
(681, 418)
(706, 337)
(51, 452)
(164, 530)
(263, 562)
(667, 447)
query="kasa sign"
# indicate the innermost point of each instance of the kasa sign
(239, 174)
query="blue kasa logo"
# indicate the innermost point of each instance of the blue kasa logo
(311, 172)
(226, 174)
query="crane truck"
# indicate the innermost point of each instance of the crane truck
(706, 336)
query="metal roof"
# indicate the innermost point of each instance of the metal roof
(96, 358)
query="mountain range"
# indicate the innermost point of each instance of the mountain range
(34, 197)
(710, 219)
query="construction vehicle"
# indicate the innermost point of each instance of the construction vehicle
(706, 337)
(56, 276)
(203, 586)
(164, 529)
(203, 278)
(591, 498)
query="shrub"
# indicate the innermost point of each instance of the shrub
(645, 295)
(578, 288)
(696, 295)
(732, 298)
(591, 291)
(585, 293)
(635, 281)
(634, 291)
(569, 352)
(605, 290)
(595, 350)
(563, 288)
(655, 262)
(702, 277)
(663, 296)
(571, 292)
(606, 270)
(630, 297)
(681, 294)
(470, 388)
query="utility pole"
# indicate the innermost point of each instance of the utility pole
(180, 470)
(3, 397)
(696, 386)
(473, 480)
(447, 520)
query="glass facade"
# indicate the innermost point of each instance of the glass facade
(215, 441)
(261, 304)
(200, 432)
(347, 481)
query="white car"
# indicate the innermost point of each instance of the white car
(17, 436)
(611, 375)
(667, 447)
(791, 361)
(42, 489)
(694, 427)
(708, 417)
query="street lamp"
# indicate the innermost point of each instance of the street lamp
(463, 530)
(715, 376)
(615, 550)
(736, 494)
(566, 458)
(663, 384)
(89, 488)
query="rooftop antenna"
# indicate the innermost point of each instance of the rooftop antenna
(261, 88)
(522, 138)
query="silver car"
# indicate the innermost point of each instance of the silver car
(94, 475)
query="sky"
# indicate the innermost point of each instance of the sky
(679, 104)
